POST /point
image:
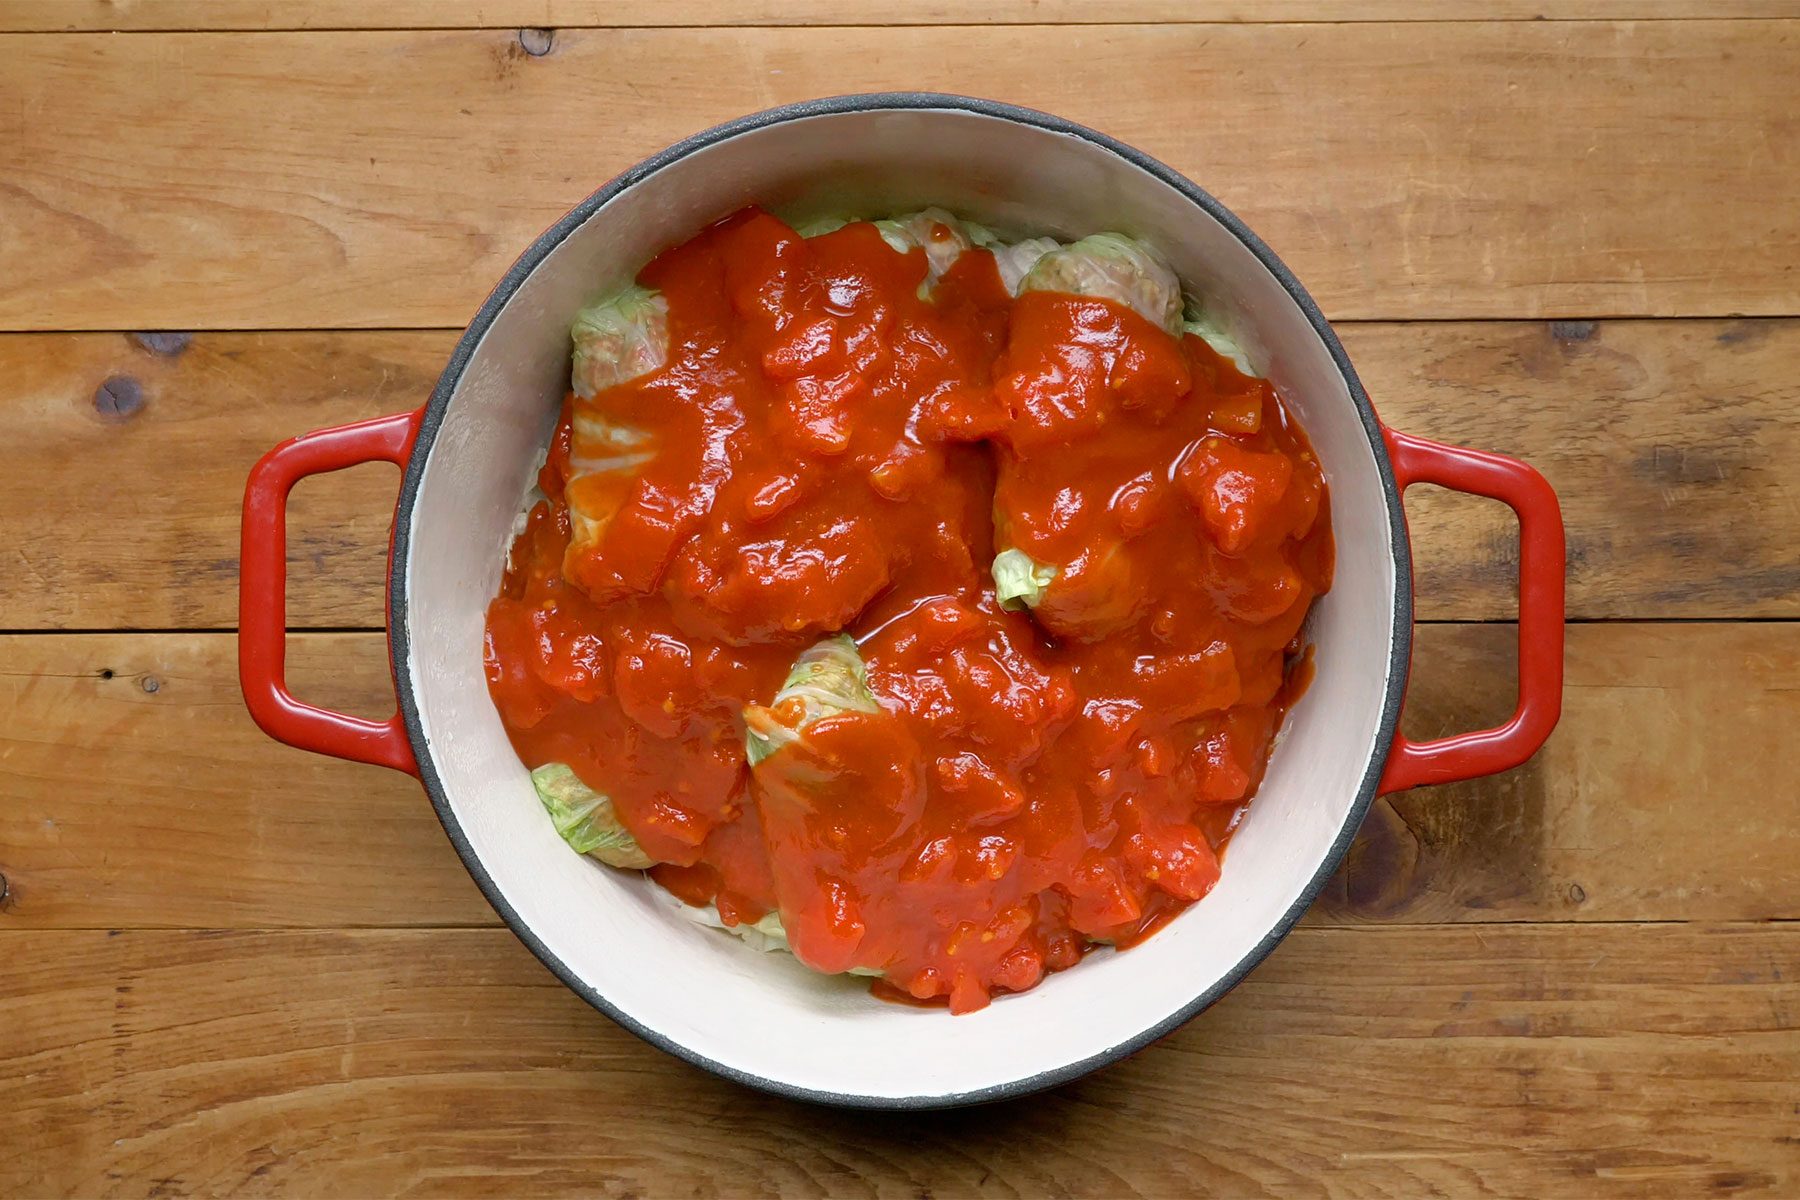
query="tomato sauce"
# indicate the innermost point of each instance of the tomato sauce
(829, 451)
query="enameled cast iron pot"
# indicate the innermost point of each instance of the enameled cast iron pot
(763, 1019)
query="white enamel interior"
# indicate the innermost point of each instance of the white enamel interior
(764, 1015)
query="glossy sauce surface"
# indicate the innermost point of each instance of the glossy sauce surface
(829, 451)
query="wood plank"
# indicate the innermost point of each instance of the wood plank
(1647, 429)
(177, 15)
(139, 793)
(173, 470)
(1410, 170)
(167, 808)
(1655, 799)
(1581, 1062)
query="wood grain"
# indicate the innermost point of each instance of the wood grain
(234, 968)
(1655, 799)
(1649, 430)
(135, 807)
(143, 530)
(250, 15)
(139, 793)
(1410, 170)
(1601, 1061)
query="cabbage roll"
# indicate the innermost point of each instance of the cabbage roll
(1111, 266)
(1207, 330)
(934, 231)
(616, 341)
(1016, 261)
(585, 819)
(767, 935)
(820, 226)
(1099, 593)
(619, 339)
(827, 679)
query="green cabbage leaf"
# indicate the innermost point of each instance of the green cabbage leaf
(828, 678)
(585, 819)
(619, 339)
(1111, 266)
(1020, 579)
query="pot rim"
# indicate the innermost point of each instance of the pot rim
(400, 649)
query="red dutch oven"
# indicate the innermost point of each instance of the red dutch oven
(468, 455)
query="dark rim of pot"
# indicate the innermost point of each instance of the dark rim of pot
(401, 649)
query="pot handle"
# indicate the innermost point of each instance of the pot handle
(262, 592)
(1541, 564)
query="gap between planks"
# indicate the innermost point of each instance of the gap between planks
(334, 16)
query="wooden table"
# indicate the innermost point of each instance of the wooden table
(230, 967)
